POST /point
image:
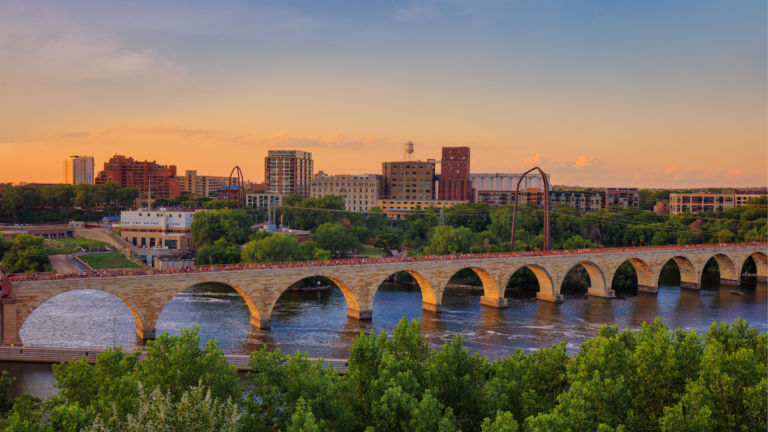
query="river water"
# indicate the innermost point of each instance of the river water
(315, 321)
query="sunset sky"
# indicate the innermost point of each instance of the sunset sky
(599, 93)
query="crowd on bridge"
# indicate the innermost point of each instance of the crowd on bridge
(18, 277)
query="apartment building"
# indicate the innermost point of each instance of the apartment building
(359, 192)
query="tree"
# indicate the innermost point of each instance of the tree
(27, 255)
(285, 388)
(234, 225)
(447, 240)
(335, 239)
(274, 248)
(195, 411)
(220, 252)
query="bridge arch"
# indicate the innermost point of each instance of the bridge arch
(256, 318)
(728, 273)
(23, 314)
(761, 264)
(689, 275)
(353, 304)
(546, 285)
(430, 299)
(597, 282)
(490, 288)
(643, 273)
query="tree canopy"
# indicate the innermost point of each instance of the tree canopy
(652, 379)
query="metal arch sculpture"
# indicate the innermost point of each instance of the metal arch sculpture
(240, 186)
(547, 239)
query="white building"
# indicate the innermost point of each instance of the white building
(359, 192)
(157, 228)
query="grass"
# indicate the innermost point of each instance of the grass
(108, 260)
(370, 251)
(79, 241)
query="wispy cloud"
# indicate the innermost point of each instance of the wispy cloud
(583, 162)
(219, 136)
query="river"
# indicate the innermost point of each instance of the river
(315, 321)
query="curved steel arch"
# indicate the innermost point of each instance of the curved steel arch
(547, 239)
(240, 186)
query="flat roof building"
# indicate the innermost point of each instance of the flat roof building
(359, 192)
(711, 201)
(454, 183)
(408, 180)
(288, 171)
(79, 170)
(146, 176)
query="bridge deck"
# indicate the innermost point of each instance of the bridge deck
(56, 355)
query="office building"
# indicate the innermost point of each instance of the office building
(146, 176)
(408, 180)
(288, 171)
(454, 183)
(79, 170)
(359, 192)
(158, 228)
(712, 201)
(202, 185)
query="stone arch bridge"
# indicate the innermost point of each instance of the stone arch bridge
(146, 295)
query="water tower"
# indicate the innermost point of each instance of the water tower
(408, 151)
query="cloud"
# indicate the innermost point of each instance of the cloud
(533, 160)
(220, 136)
(583, 162)
(36, 42)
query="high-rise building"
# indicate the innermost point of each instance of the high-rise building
(288, 171)
(359, 192)
(454, 183)
(78, 170)
(161, 180)
(408, 180)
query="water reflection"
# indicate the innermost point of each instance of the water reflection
(316, 321)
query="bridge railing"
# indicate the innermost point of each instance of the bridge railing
(358, 261)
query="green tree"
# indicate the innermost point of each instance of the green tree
(448, 240)
(335, 239)
(234, 225)
(220, 252)
(196, 410)
(274, 248)
(27, 255)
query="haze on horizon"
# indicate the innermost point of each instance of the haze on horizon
(647, 94)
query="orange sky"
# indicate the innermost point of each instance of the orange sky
(664, 96)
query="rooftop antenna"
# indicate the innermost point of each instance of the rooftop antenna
(408, 150)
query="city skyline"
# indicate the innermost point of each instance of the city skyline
(651, 95)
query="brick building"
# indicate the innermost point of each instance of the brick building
(146, 175)
(454, 183)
